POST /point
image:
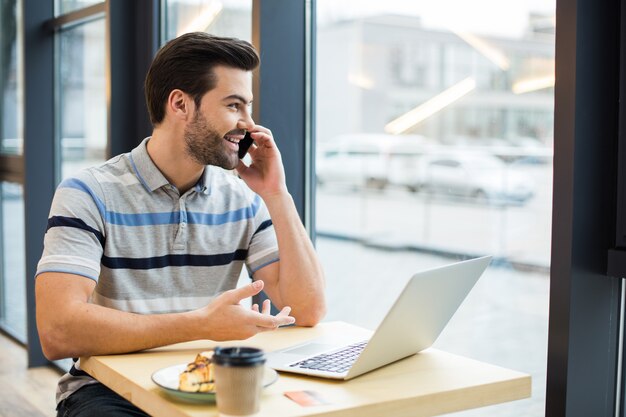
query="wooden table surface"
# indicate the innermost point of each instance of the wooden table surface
(430, 383)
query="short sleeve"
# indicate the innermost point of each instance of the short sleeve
(263, 247)
(75, 235)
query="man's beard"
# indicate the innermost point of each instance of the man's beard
(205, 145)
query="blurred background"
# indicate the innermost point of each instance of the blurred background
(433, 143)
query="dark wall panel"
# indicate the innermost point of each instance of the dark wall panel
(584, 302)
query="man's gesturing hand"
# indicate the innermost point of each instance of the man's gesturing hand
(226, 319)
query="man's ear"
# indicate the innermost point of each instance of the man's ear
(179, 104)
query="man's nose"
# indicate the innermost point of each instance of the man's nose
(246, 122)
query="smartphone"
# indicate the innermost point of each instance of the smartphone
(244, 145)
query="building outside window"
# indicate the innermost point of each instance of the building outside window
(434, 144)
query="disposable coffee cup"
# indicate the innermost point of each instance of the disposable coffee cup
(238, 380)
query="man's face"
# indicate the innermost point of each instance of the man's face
(212, 136)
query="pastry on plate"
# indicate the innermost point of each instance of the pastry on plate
(198, 376)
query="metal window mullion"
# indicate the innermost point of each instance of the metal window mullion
(132, 39)
(309, 116)
(39, 178)
(280, 89)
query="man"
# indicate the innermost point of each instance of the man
(146, 249)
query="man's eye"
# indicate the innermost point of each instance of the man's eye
(234, 106)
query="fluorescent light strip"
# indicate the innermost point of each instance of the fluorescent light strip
(361, 81)
(204, 19)
(533, 84)
(488, 51)
(430, 107)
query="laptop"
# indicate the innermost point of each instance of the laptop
(412, 324)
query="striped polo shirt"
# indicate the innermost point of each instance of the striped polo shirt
(149, 249)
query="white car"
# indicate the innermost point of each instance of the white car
(363, 160)
(362, 166)
(476, 175)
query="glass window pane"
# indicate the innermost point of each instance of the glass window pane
(13, 273)
(440, 149)
(231, 18)
(81, 79)
(10, 80)
(66, 6)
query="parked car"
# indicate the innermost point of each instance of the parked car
(355, 166)
(479, 176)
(364, 160)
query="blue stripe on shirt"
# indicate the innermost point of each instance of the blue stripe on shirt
(143, 182)
(174, 260)
(142, 219)
(62, 221)
(153, 219)
(79, 185)
(212, 219)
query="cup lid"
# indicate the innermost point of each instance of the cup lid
(238, 356)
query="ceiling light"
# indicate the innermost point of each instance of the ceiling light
(430, 107)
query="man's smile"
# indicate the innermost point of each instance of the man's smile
(233, 138)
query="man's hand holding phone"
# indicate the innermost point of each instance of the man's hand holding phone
(265, 175)
(244, 145)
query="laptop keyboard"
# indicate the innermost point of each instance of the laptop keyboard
(338, 361)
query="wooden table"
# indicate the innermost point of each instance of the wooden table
(430, 383)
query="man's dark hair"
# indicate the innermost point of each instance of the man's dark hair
(186, 63)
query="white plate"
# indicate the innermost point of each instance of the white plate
(167, 379)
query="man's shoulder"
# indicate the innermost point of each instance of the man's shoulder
(115, 171)
(117, 165)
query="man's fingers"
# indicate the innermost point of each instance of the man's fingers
(284, 312)
(259, 128)
(262, 140)
(238, 294)
(273, 322)
(267, 307)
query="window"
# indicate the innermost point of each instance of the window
(67, 6)
(12, 254)
(10, 81)
(230, 18)
(82, 100)
(12, 284)
(461, 112)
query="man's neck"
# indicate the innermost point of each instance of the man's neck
(166, 149)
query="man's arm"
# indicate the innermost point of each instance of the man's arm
(297, 279)
(70, 326)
